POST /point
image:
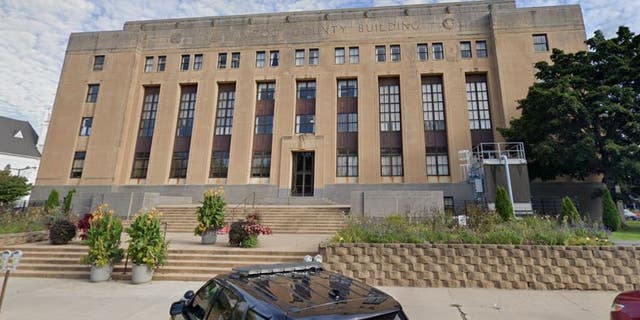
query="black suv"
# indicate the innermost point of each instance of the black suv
(286, 292)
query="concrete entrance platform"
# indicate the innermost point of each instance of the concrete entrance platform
(275, 242)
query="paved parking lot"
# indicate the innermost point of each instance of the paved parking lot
(53, 299)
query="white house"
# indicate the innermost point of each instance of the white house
(18, 150)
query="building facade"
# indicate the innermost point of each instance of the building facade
(18, 151)
(307, 104)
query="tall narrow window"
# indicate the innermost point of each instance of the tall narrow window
(306, 90)
(98, 63)
(391, 163)
(314, 56)
(381, 54)
(162, 63)
(354, 55)
(197, 62)
(92, 93)
(140, 165)
(78, 164)
(185, 113)
(148, 64)
(299, 57)
(179, 164)
(339, 53)
(481, 49)
(348, 88)
(261, 165)
(478, 105)
(264, 124)
(184, 62)
(235, 60)
(437, 163)
(540, 42)
(395, 53)
(260, 56)
(266, 90)
(224, 112)
(347, 122)
(219, 164)
(347, 165)
(149, 110)
(438, 51)
(389, 108)
(222, 60)
(465, 50)
(433, 106)
(85, 126)
(423, 51)
(274, 58)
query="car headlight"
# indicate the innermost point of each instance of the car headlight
(616, 307)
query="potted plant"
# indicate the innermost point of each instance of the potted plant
(211, 216)
(245, 233)
(147, 247)
(103, 239)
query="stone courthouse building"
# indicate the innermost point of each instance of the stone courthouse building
(323, 105)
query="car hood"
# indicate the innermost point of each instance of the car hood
(629, 296)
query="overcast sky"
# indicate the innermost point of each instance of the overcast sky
(34, 33)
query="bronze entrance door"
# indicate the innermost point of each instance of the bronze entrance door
(302, 181)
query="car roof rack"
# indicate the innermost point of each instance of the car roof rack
(275, 268)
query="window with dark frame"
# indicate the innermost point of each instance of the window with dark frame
(148, 116)
(184, 62)
(219, 164)
(260, 57)
(481, 49)
(314, 56)
(391, 163)
(465, 50)
(381, 53)
(148, 64)
(395, 53)
(261, 165)
(224, 112)
(92, 93)
(449, 206)
(266, 91)
(264, 125)
(438, 51)
(186, 113)
(140, 165)
(98, 63)
(540, 42)
(85, 126)
(197, 62)
(299, 57)
(339, 55)
(354, 55)
(179, 164)
(437, 163)
(235, 60)
(347, 165)
(162, 63)
(305, 123)
(306, 90)
(78, 164)
(348, 88)
(274, 58)
(222, 60)
(478, 105)
(347, 122)
(390, 108)
(422, 51)
(433, 107)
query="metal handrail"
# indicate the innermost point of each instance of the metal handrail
(244, 204)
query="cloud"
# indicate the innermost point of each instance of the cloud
(34, 33)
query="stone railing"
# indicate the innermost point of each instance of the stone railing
(24, 237)
(487, 266)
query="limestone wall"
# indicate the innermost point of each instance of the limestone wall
(24, 237)
(487, 266)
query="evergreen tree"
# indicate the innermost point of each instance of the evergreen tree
(504, 208)
(67, 201)
(610, 216)
(569, 212)
(53, 201)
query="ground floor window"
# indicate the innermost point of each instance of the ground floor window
(261, 165)
(449, 205)
(437, 164)
(219, 164)
(140, 165)
(391, 164)
(179, 165)
(347, 165)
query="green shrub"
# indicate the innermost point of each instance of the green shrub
(250, 242)
(569, 212)
(146, 242)
(504, 208)
(15, 222)
(53, 201)
(610, 215)
(502, 235)
(211, 212)
(103, 238)
(61, 231)
(66, 202)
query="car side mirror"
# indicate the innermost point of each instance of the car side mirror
(240, 311)
(176, 310)
(188, 295)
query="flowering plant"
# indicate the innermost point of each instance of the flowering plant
(211, 213)
(253, 227)
(83, 226)
(245, 233)
(146, 242)
(103, 238)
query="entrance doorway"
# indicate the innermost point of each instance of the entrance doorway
(302, 182)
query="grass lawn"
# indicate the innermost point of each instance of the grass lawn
(633, 234)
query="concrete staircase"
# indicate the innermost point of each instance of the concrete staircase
(308, 219)
(48, 261)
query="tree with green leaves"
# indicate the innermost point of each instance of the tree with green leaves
(12, 188)
(569, 212)
(53, 201)
(504, 208)
(582, 118)
(610, 215)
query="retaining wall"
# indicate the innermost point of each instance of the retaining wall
(487, 266)
(24, 237)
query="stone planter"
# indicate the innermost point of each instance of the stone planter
(100, 274)
(141, 273)
(209, 236)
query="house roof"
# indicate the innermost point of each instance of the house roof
(18, 137)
